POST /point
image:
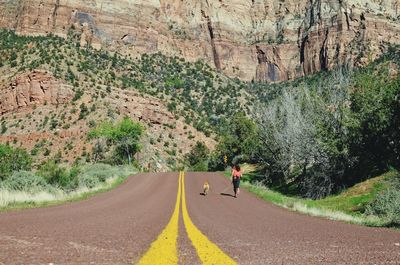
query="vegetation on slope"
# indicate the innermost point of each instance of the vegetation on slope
(194, 91)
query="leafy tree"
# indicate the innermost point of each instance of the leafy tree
(239, 139)
(125, 135)
(374, 122)
(197, 158)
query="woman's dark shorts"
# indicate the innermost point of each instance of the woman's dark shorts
(236, 183)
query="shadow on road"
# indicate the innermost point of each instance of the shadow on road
(226, 194)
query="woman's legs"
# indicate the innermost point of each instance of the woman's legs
(236, 184)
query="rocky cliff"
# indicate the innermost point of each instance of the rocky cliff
(33, 89)
(250, 39)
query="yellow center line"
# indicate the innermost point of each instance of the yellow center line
(208, 252)
(164, 251)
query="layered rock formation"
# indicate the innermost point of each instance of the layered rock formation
(250, 39)
(34, 88)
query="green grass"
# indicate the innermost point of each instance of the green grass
(354, 199)
(347, 206)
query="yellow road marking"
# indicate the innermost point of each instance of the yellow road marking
(208, 252)
(164, 251)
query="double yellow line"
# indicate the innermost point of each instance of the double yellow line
(164, 251)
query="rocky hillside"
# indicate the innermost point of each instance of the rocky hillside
(253, 40)
(52, 92)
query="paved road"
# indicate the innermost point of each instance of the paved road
(119, 227)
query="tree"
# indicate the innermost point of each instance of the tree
(304, 138)
(13, 160)
(198, 156)
(239, 139)
(245, 132)
(374, 122)
(125, 135)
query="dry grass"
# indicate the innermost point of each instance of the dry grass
(12, 197)
(332, 215)
(364, 187)
(249, 168)
(20, 198)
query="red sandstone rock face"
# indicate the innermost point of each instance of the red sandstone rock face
(34, 88)
(253, 40)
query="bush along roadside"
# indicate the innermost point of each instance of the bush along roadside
(386, 204)
(53, 185)
(375, 202)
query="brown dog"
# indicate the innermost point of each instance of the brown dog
(206, 187)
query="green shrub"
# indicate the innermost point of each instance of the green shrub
(387, 206)
(57, 176)
(84, 111)
(13, 160)
(34, 151)
(201, 166)
(92, 175)
(89, 181)
(3, 127)
(78, 94)
(24, 181)
(99, 171)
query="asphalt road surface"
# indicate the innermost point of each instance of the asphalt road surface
(121, 226)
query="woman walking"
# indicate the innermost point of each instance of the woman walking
(236, 175)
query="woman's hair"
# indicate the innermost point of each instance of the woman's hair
(237, 167)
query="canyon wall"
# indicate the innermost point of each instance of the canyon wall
(259, 40)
